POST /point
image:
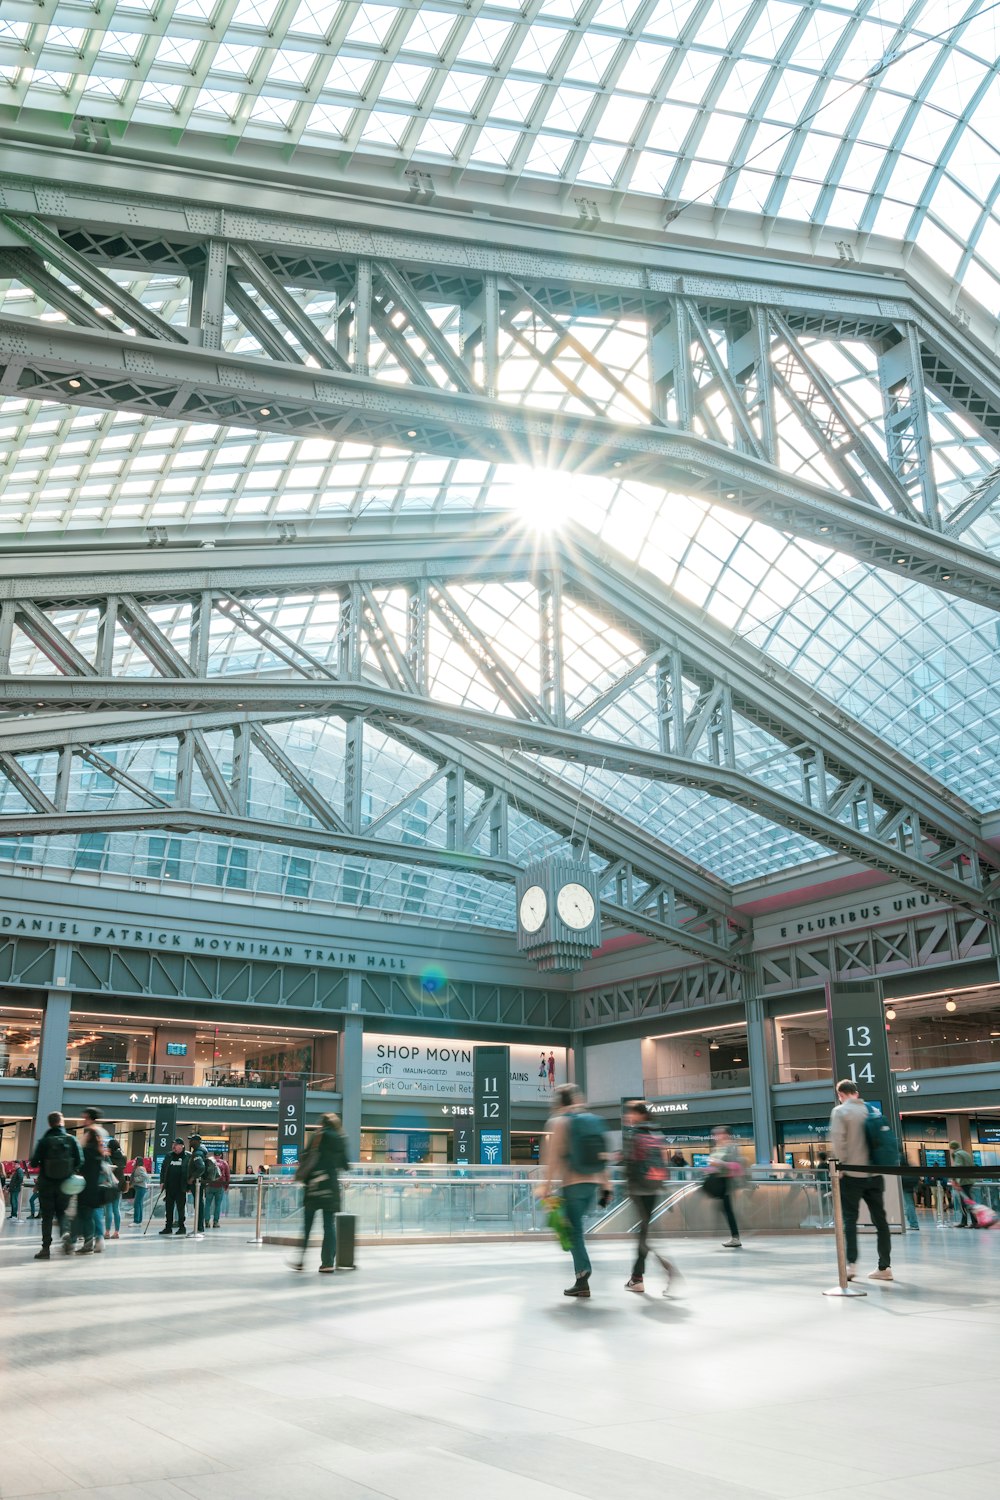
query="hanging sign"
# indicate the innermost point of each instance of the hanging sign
(491, 1101)
(164, 1131)
(291, 1121)
(858, 1044)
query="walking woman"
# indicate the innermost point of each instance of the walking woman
(140, 1187)
(319, 1170)
(725, 1168)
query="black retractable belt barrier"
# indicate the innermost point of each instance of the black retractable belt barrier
(869, 1169)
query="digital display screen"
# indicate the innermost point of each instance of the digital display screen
(177, 1049)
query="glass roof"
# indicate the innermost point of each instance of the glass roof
(878, 117)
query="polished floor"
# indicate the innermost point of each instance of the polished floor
(167, 1370)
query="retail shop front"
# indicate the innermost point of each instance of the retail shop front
(686, 1123)
(417, 1097)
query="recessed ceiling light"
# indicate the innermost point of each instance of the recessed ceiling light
(265, 411)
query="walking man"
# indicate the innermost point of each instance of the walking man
(58, 1157)
(849, 1143)
(215, 1193)
(575, 1156)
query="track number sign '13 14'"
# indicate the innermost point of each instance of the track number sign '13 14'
(858, 1046)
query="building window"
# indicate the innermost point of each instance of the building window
(19, 849)
(298, 875)
(231, 867)
(357, 885)
(93, 779)
(414, 891)
(165, 771)
(91, 851)
(163, 860)
(414, 823)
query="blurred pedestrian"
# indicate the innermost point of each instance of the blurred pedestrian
(725, 1168)
(575, 1156)
(645, 1175)
(319, 1170)
(58, 1157)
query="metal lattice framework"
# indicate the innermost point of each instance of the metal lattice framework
(422, 342)
(531, 695)
(88, 643)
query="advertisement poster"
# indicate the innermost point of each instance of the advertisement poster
(419, 1067)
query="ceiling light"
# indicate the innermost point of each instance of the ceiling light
(75, 385)
(950, 1005)
(265, 411)
(412, 432)
(890, 1015)
(945, 577)
(713, 1046)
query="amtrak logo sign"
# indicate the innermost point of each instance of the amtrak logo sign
(215, 1097)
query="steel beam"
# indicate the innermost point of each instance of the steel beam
(355, 702)
(80, 366)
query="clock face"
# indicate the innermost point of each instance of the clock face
(531, 912)
(575, 906)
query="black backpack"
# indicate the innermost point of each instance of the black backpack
(883, 1147)
(61, 1157)
(587, 1146)
(212, 1173)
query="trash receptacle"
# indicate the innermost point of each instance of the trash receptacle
(345, 1242)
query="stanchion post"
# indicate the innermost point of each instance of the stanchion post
(258, 1238)
(939, 1203)
(197, 1207)
(844, 1288)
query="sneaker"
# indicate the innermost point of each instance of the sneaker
(98, 1246)
(635, 1284)
(115, 1236)
(580, 1287)
(732, 1244)
(67, 1245)
(883, 1273)
(180, 1231)
(43, 1255)
(852, 1271)
(296, 1265)
(166, 1231)
(326, 1270)
(87, 1248)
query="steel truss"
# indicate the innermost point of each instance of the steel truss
(419, 321)
(717, 715)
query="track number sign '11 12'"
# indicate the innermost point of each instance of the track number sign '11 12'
(491, 1104)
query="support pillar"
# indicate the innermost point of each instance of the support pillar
(350, 1068)
(759, 1058)
(576, 1062)
(55, 1040)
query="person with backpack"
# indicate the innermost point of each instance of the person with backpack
(645, 1176)
(575, 1156)
(113, 1207)
(198, 1178)
(96, 1173)
(216, 1187)
(320, 1169)
(14, 1185)
(858, 1138)
(961, 1188)
(57, 1157)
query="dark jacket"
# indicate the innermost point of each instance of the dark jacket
(93, 1161)
(47, 1185)
(174, 1173)
(196, 1165)
(325, 1163)
(642, 1158)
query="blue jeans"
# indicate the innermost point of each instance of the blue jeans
(213, 1204)
(578, 1200)
(910, 1210)
(113, 1213)
(87, 1224)
(329, 1252)
(15, 1201)
(33, 1203)
(140, 1203)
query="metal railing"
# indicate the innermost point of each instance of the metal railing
(696, 1083)
(195, 1077)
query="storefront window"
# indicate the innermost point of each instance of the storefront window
(694, 1062)
(20, 1036)
(106, 1049)
(948, 1029)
